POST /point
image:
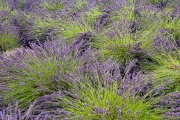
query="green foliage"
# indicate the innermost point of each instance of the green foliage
(107, 99)
(116, 47)
(21, 4)
(104, 4)
(4, 6)
(73, 29)
(66, 29)
(92, 15)
(126, 13)
(7, 42)
(173, 28)
(43, 24)
(53, 7)
(166, 66)
(153, 2)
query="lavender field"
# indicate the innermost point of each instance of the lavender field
(89, 59)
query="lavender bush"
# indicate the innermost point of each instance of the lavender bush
(98, 92)
(102, 93)
(39, 71)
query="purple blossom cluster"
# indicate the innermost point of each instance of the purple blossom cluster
(163, 42)
(172, 102)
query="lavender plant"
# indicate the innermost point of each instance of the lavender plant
(40, 71)
(99, 91)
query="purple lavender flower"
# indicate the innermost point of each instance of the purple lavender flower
(103, 20)
(12, 4)
(27, 6)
